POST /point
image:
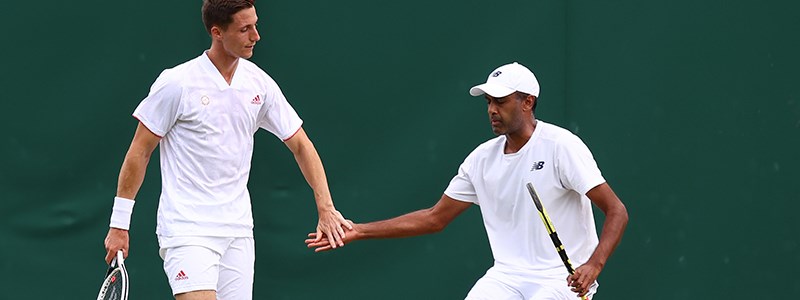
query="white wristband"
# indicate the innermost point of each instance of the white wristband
(121, 214)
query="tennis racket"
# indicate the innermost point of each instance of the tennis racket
(551, 230)
(115, 286)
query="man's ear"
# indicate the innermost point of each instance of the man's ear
(529, 102)
(216, 32)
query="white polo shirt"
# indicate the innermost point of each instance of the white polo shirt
(562, 170)
(207, 129)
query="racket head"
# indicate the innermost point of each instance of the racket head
(115, 285)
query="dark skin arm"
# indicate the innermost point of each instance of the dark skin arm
(616, 220)
(434, 219)
(424, 221)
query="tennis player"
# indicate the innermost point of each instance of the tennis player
(203, 114)
(494, 175)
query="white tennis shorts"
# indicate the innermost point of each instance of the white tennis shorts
(499, 285)
(224, 265)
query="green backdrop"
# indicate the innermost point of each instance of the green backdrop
(691, 108)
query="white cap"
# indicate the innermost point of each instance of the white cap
(507, 79)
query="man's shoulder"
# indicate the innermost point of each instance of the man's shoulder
(490, 146)
(256, 74)
(252, 67)
(560, 138)
(190, 74)
(180, 71)
(554, 132)
(493, 142)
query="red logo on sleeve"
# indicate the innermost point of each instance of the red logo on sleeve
(181, 276)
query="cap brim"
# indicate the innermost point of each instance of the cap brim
(494, 90)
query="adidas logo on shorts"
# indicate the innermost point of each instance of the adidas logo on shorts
(181, 276)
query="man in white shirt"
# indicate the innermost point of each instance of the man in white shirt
(204, 113)
(494, 175)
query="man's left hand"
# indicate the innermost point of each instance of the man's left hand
(331, 225)
(584, 277)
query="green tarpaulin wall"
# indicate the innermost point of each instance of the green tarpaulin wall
(691, 108)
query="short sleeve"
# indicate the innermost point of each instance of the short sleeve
(577, 168)
(461, 187)
(280, 117)
(159, 110)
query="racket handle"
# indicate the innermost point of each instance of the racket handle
(119, 260)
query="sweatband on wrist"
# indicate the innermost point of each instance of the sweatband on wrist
(121, 214)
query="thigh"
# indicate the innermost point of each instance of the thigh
(191, 268)
(549, 289)
(197, 295)
(494, 286)
(236, 272)
(550, 293)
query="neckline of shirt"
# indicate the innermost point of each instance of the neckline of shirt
(209, 66)
(534, 136)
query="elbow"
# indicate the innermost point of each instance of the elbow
(307, 145)
(437, 226)
(146, 156)
(138, 159)
(435, 222)
(621, 213)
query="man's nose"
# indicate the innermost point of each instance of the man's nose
(491, 108)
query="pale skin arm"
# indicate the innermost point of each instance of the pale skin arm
(615, 222)
(424, 221)
(331, 223)
(131, 176)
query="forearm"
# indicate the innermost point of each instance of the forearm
(311, 166)
(131, 175)
(614, 226)
(411, 224)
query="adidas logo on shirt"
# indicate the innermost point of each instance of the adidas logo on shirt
(181, 276)
(256, 100)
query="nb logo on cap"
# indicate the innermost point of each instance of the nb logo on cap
(495, 74)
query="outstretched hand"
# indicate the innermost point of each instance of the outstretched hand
(332, 226)
(584, 277)
(322, 242)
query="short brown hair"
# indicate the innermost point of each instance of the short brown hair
(220, 12)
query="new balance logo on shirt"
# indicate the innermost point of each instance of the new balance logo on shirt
(537, 165)
(181, 276)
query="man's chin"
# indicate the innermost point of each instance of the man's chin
(247, 54)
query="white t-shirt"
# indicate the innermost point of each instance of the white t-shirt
(562, 170)
(207, 129)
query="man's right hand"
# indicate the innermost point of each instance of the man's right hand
(324, 244)
(116, 239)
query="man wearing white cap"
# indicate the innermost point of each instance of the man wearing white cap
(493, 177)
